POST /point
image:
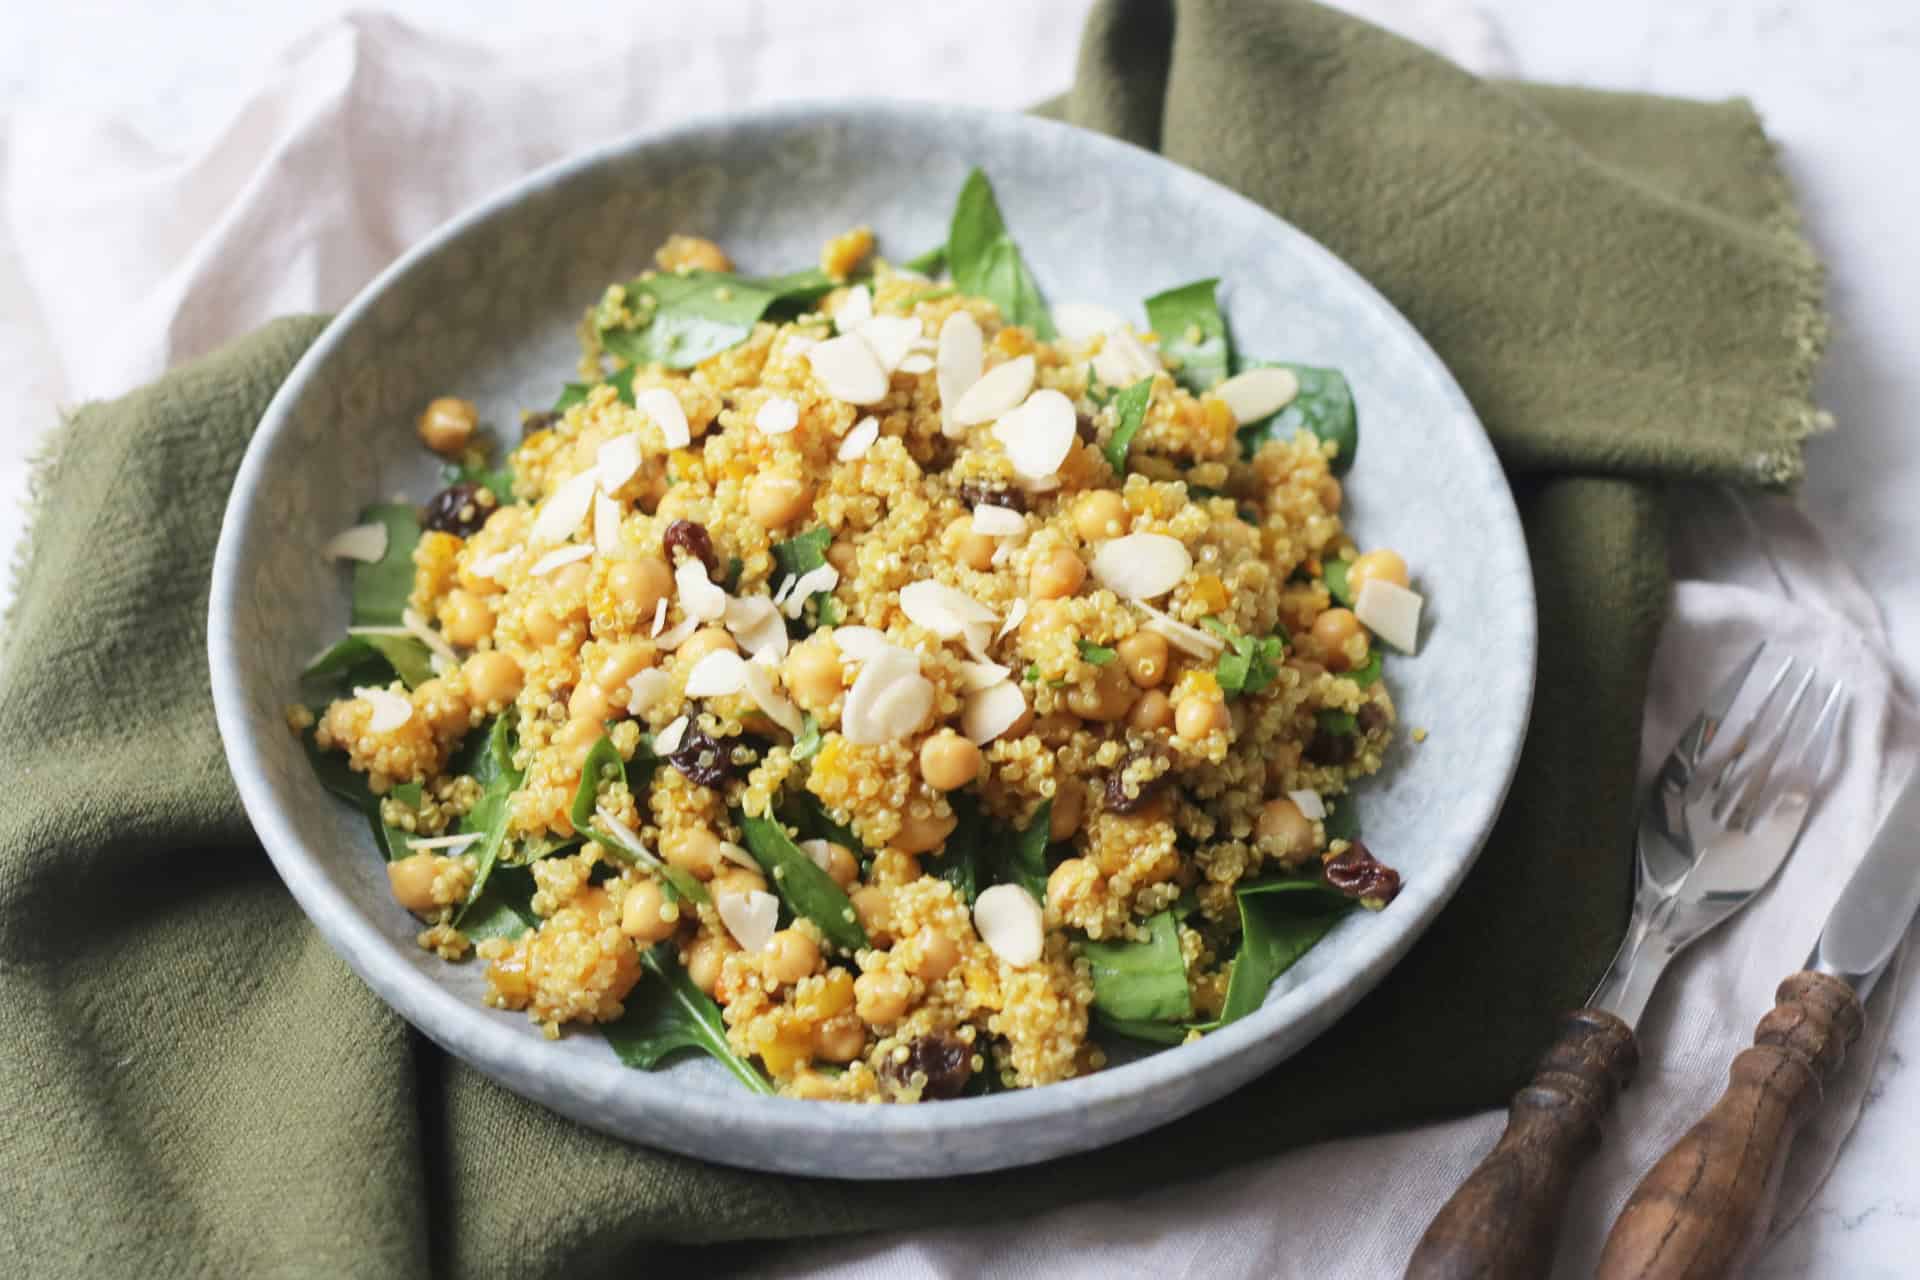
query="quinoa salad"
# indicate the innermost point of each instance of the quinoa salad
(870, 677)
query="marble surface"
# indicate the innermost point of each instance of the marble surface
(1836, 83)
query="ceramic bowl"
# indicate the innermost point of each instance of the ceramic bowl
(486, 308)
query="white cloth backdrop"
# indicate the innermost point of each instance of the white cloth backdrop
(125, 253)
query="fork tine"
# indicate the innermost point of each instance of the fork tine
(1810, 761)
(1729, 771)
(1700, 733)
(1746, 800)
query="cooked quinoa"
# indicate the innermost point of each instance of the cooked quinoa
(1017, 707)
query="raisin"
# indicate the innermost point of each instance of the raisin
(704, 760)
(534, 423)
(1332, 748)
(975, 493)
(945, 1062)
(460, 509)
(1358, 874)
(1083, 427)
(692, 537)
(1371, 718)
(1118, 801)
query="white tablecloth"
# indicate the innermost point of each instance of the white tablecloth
(135, 237)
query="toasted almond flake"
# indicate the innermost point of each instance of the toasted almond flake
(777, 416)
(626, 837)
(860, 439)
(667, 741)
(821, 851)
(855, 309)
(390, 710)
(1010, 923)
(1039, 434)
(562, 556)
(992, 711)
(957, 364)
(998, 522)
(975, 638)
(676, 635)
(1258, 393)
(417, 627)
(848, 370)
(374, 631)
(824, 578)
(975, 676)
(784, 590)
(891, 338)
(737, 856)
(750, 917)
(917, 363)
(1079, 321)
(439, 665)
(889, 701)
(717, 674)
(799, 344)
(1000, 389)
(1190, 640)
(1309, 804)
(942, 609)
(1015, 616)
(1141, 566)
(491, 566)
(452, 844)
(755, 623)
(606, 524)
(770, 700)
(560, 515)
(617, 460)
(646, 689)
(857, 644)
(1123, 359)
(366, 543)
(667, 413)
(1391, 612)
(698, 596)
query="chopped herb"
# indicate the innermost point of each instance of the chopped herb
(730, 583)
(802, 554)
(681, 320)
(365, 660)
(1192, 332)
(985, 261)
(493, 770)
(802, 885)
(1324, 406)
(1141, 981)
(381, 589)
(808, 743)
(1098, 655)
(1032, 674)
(1339, 723)
(668, 1014)
(1335, 573)
(1130, 410)
(1250, 664)
(476, 470)
(1097, 391)
(1366, 675)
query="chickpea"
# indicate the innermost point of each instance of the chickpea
(543, 628)
(1341, 640)
(446, 427)
(813, 673)
(1146, 658)
(843, 558)
(641, 584)
(644, 916)
(1043, 619)
(576, 737)
(691, 253)
(1056, 574)
(1200, 714)
(703, 642)
(1069, 807)
(734, 878)
(923, 835)
(1074, 881)
(975, 550)
(695, 850)
(493, 678)
(875, 912)
(1100, 513)
(1283, 829)
(589, 702)
(1153, 712)
(466, 618)
(704, 959)
(1109, 699)
(776, 501)
(881, 997)
(790, 956)
(949, 761)
(1383, 565)
(411, 879)
(570, 585)
(622, 663)
(839, 1039)
(938, 954)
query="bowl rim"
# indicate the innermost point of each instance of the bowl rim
(580, 1087)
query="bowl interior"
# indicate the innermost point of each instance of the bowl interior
(487, 309)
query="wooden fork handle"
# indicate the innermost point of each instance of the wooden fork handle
(1705, 1207)
(1503, 1219)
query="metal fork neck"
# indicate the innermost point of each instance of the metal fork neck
(1628, 982)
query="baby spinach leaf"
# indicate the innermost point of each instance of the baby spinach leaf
(1280, 921)
(1141, 981)
(365, 660)
(505, 908)
(807, 745)
(802, 885)
(1130, 410)
(602, 765)
(1193, 333)
(985, 261)
(1020, 857)
(1366, 675)
(571, 394)
(393, 840)
(959, 861)
(498, 780)
(807, 815)
(683, 319)
(1137, 1029)
(520, 853)
(339, 778)
(1340, 723)
(1324, 407)
(666, 1013)
(1343, 819)
(929, 264)
(380, 589)
(1335, 572)
(1097, 654)
(496, 479)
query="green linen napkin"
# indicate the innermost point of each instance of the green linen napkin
(191, 1080)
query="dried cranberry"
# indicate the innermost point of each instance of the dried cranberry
(1083, 427)
(703, 759)
(1118, 801)
(977, 493)
(460, 509)
(1371, 717)
(945, 1061)
(535, 423)
(1326, 748)
(1358, 874)
(691, 537)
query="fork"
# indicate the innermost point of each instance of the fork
(1720, 817)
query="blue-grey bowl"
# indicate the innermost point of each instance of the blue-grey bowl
(486, 308)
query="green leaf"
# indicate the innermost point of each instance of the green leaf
(683, 319)
(571, 394)
(1193, 334)
(504, 909)
(668, 1014)
(1343, 819)
(498, 780)
(1324, 406)
(1098, 655)
(393, 840)
(1141, 981)
(802, 885)
(803, 553)
(960, 858)
(1133, 1029)
(1335, 572)
(602, 765)
(985, 261)
(930, 263)
(367, 660)
(1366, 675)
(1021, 857)
(1250, 664)
(380, 589)
(339, 778)
(807, 745)
(1130, 410)
(1280, 921)
(807, 815)
(1340, 723)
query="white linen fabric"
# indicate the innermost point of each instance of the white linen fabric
(121, 255)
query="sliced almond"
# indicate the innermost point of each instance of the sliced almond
(892, 338)
(777, 416)
(820, 851)
(770, 700)
(992, 711)
(646, 689)
(717, 674)
(975, 676)
(1010, 922)
(755, 623)
(1039, 434)
(848, 370)
(659, 616)
(668, 740)
(617, 460)
(855, 309)
(1258, 393)
(750, 917)
(1079, 321)
(1123, 360)
(560, 515)
(737, 856)
(1391, 612)
(857, 644)
(492, 566)
(390, 710)
(606, 524)
(998, 522)
(555, 559)
(889, 701)
(957, 364)
(1015, 616)
(860, 439)
(999, 390)
(452, 844)
(667, 413)
(1188, 639)
(366, 543)
(802, 589)
(416, 626)
(946, 611)
(1141, 566)
(917, 363)
(1309, 803)
(677, 634)
(698, 596)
